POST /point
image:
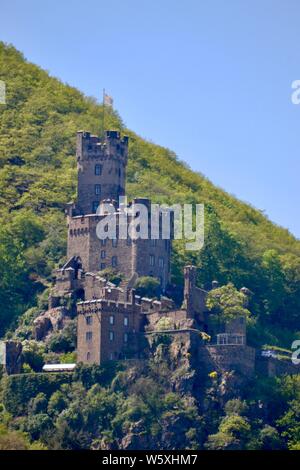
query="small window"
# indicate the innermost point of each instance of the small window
(114, 242)
(88, 356)
(89, 320)
(153, 242)
(111, 320)
(97, 189)
(98, 170)
(126, 321)
(103, 254)
(125, 337)
(103, 241)
(114, 261)
(161, 262)
(111, 336)
(102, 266)
(111, 356)
(166, 245)
(89, 336)
(95, 206)
(152, 260)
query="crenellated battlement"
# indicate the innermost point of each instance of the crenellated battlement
(113, 146)
(103, 305)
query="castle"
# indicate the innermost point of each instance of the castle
(113, 322)
(111, 319)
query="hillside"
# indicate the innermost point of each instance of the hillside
(37, 177)
(165, 400)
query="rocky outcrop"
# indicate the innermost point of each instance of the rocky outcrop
(52, 320)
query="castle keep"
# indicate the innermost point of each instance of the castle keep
(101, 179)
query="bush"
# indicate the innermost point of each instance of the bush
(18, 390)
(65, 340)
(147, 286)
(38, 404)
(33, 354)
(57, 403)
(112, 275)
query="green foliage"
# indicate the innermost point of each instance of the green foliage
(112, 275)
(68, 358)
(16, 440)
(38, 404)
(33, 354)
(164, 323)
(18, 390)
(227, 303)
(65, 340)
(57, 403)
(269, 438)
(147, 286)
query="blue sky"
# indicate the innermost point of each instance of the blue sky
(209, 79)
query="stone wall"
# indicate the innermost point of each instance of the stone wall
(226, 358)
(12, 360)
(95, 317)
(270, 366)
(144, 257)
(178, 319)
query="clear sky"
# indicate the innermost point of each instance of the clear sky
(209, 79)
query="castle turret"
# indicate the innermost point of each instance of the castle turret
(101, 169)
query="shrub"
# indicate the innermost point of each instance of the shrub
(112, 275)
(147, 286)
(18, 390)
(65, 340)
(33, 354)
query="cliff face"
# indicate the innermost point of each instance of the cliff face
(180, 367)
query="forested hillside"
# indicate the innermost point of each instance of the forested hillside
(38, 125)
(162, 402)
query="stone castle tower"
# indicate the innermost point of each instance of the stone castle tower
(101, 166)
(101, 169)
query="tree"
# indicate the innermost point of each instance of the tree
(269, 438)
(147, 286)
(57, 403)
(227, 303)
(274, 291)
(234, 432)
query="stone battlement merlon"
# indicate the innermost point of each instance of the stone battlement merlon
(113, 146)
(103, 305)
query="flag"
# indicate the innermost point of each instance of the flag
(107, 100)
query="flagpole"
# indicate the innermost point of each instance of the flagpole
(103, 115)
